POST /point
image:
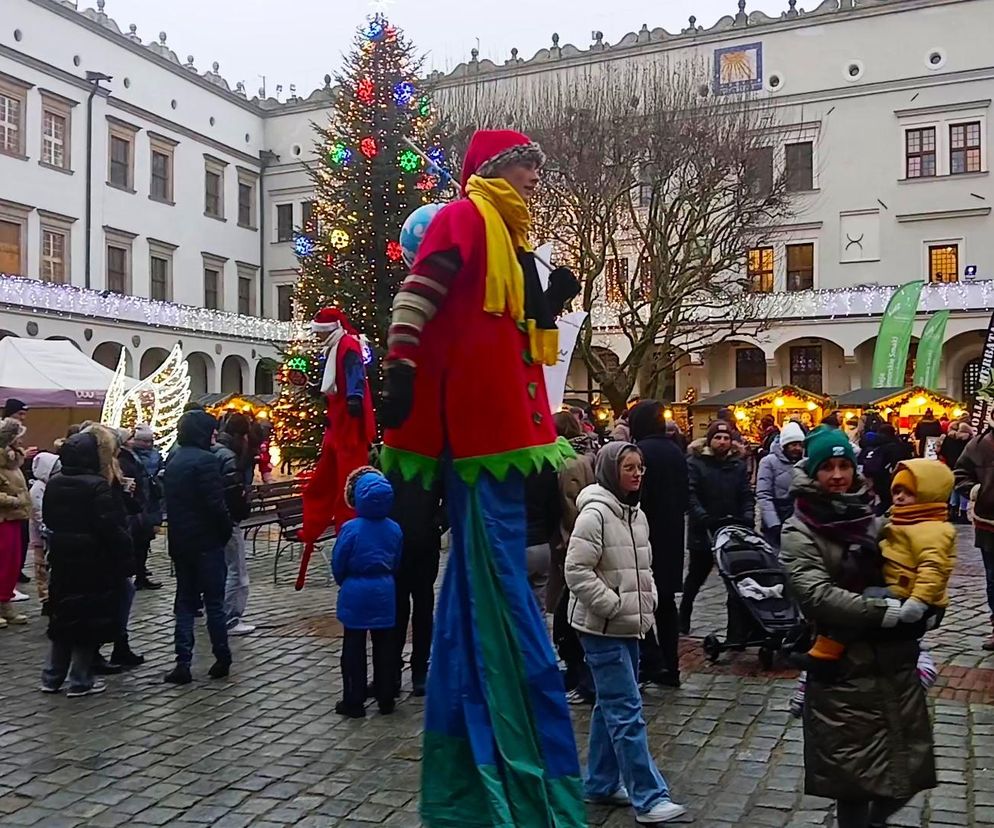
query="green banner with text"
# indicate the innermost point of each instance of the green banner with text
(930, 351)
(890, 356)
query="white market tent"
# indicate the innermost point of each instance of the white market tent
(59, 384)
(51, 374)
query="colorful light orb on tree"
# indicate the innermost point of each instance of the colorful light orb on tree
(340, 154)
(339, 238)
(368, 147)
(366, 91)
(409, 161)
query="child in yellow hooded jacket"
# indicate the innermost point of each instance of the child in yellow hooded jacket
(919, 543)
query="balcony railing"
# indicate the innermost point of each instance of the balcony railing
(68, 300)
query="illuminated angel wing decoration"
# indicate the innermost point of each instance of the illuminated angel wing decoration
(157, 400)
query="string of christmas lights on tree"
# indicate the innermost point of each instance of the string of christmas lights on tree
(367, 179)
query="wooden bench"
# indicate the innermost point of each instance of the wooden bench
(264, 502)
(290, 517)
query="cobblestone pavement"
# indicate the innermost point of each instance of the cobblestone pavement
(265, 747)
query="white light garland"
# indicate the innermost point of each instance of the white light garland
(68, 300)
(840, 303)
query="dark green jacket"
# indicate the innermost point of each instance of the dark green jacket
(866, 734)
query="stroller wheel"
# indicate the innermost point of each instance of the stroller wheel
(712, 648)
(766, 657)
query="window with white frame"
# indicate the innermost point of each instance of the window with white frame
(162, 151)
(55, 247)
(160, 270)
(247, 182)
(118, 260)
(214, 186)
(13, 99)
(121, 154)
(944, 140)
(214, 281)
(56, 131)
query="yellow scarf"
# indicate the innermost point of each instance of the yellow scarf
(506, 222)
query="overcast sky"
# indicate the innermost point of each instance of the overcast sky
(298, 41)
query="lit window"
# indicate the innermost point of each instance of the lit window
(943, 263)
(761, 270)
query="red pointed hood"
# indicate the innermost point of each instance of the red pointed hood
(490, 149)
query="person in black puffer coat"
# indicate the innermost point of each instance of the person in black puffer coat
(720, 492)
(199, 528)
(420, 513)
(880, 463)
(664, 501)
(543, 514)
(89, 556)
(232, 449)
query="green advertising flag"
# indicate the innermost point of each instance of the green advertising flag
(930, 351)
(890, 356)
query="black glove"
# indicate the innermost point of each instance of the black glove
(398, 394)
(563, 288)
(354, 405)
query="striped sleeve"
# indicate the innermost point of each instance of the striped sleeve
(419, 299)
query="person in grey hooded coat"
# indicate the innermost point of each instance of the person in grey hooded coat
(776, 474)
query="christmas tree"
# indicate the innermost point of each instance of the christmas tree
(377, 160)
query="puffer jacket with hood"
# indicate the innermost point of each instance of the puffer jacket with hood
(609, 560)
(89, 548)
(15, 502)
(975, 478)
(919, 557)
(44, 465)
(366, 558)
(719, 489)
(867, 733)
(199, 522)
(774, 479)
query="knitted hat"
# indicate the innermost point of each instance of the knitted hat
(904, 478)
(824, 444)
(718, 427)
(490, 150)
(792, 433)
(327, 319)
(144, 433)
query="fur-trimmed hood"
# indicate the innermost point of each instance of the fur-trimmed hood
(10, 430)
(108, 443)
(700, 448)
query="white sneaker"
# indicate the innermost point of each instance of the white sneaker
(618, 799)
(241, 628)
(19, 596)
(98, 687)
(665, 811)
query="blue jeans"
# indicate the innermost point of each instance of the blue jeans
(619, 746)
(201, 578)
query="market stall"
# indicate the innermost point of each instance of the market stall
(750, 405)
(255, 406)
(902, 407)
(59, 384)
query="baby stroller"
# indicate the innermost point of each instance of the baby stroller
(760, 612)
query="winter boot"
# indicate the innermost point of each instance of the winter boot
(11, 616)
(124, 657)
(220, 669)
(988, 645)
(180, 674)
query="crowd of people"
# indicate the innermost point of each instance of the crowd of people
(863, 528)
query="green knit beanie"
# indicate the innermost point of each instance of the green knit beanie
(822, 445)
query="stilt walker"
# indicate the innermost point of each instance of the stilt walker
(465, 398)
(350, 429)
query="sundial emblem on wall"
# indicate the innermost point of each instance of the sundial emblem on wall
(738, 69)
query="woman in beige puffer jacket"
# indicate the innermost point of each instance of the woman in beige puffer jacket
(15, 508)
(612, 601)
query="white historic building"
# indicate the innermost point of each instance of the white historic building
(189, 191)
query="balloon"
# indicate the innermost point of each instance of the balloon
(414, 230)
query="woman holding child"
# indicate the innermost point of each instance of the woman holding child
(867, 734)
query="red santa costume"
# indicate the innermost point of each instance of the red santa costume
(351, 428)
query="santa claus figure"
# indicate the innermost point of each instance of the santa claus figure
(351, 428)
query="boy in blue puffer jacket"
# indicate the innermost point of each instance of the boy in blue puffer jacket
(364, 563)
